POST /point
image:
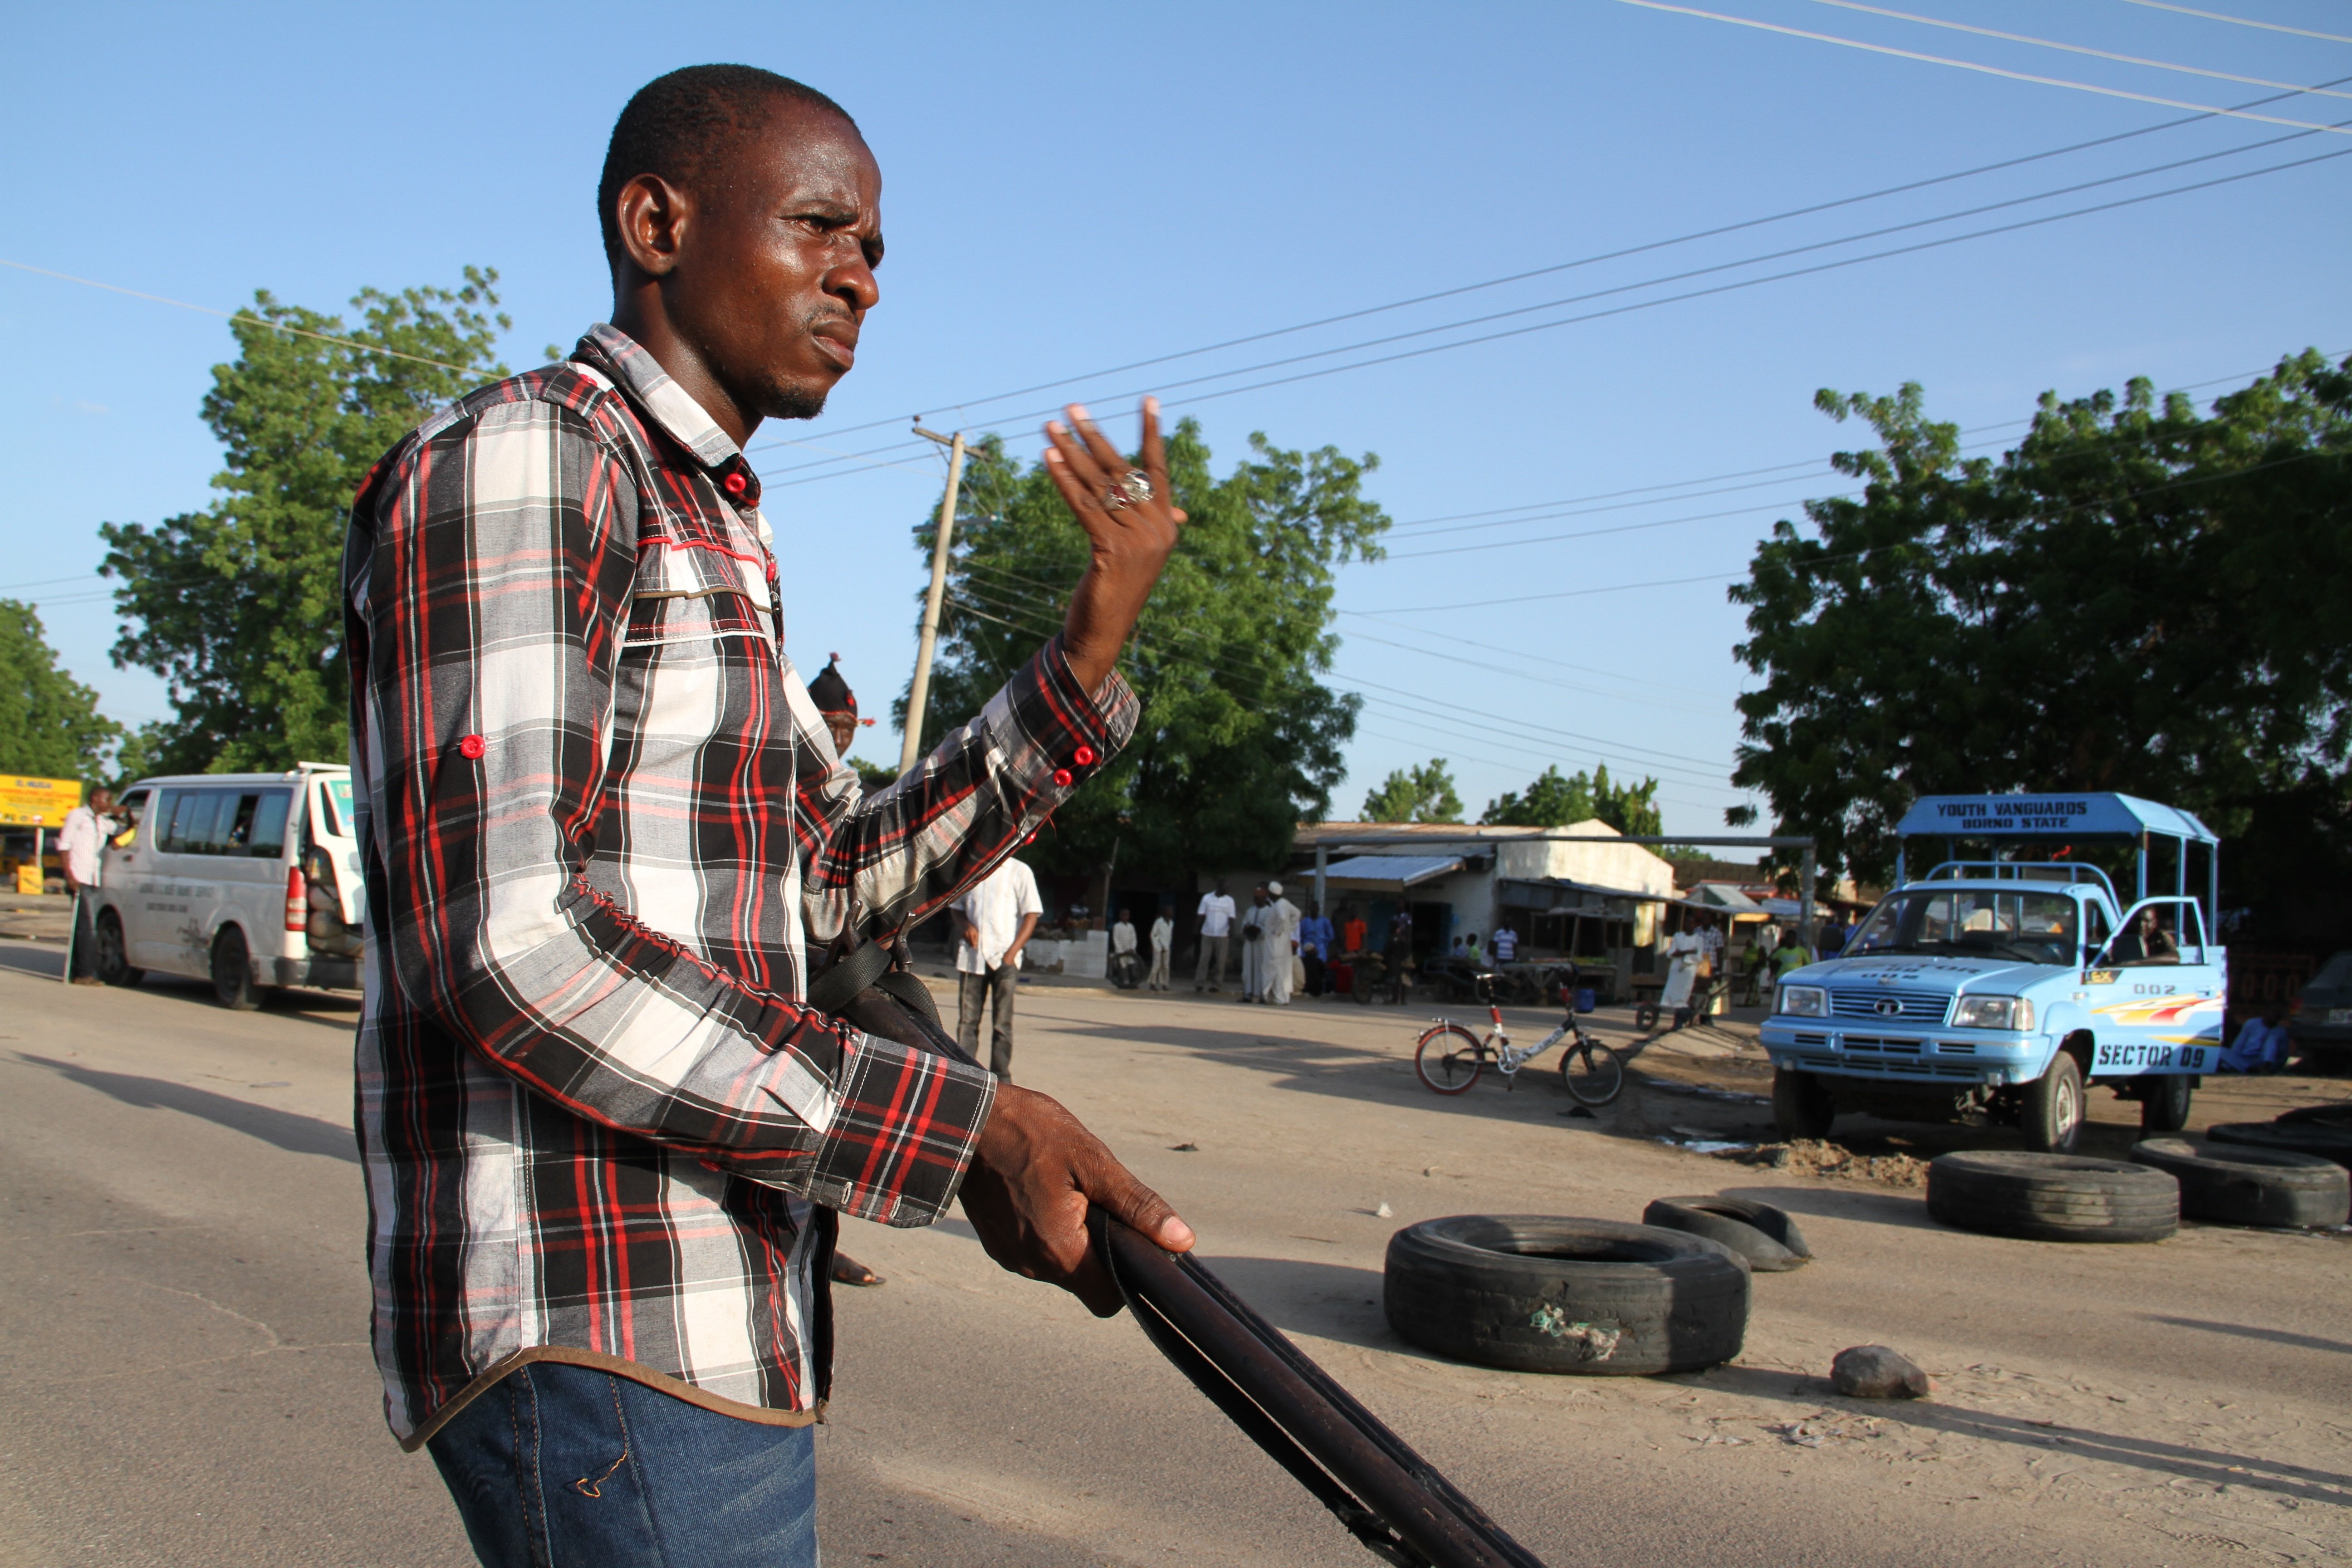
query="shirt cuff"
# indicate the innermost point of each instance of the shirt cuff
(902, 1132)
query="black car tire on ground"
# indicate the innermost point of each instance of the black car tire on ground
(2326, 1140)
(2052, 1197)
(1590, 1297)
(2336, 1114)
(232, 972)
(1761, 1233)
(2164, 1101)
(2236, 1185)
(1802, 1106)
(112, 959)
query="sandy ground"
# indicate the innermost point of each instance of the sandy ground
(184, 1378)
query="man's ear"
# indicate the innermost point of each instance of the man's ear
(653, 217)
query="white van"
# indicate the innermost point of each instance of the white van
(250, 880)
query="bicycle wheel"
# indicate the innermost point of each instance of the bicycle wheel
(1591, 1074)
(1449, 1058)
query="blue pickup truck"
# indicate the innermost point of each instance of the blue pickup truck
(2005, 988)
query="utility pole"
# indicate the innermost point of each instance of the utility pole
(921, 689)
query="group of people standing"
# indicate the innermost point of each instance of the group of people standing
(1277, 943)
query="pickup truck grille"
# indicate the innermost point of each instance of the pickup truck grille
(1910, 1006)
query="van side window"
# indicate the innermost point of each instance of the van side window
(190, 830)
(128, 811)
(239, 836)
(267, 838)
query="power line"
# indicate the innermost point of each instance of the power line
(2078, 48)
(243, 316)
(1858, 554)
(1595, 259)
(2240, 21)
(1984, 69)
(1733, 287)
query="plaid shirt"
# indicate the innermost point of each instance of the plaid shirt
(601, 820)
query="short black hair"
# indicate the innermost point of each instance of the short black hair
(676, 122)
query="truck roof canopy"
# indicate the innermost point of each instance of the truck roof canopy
(2048, 816)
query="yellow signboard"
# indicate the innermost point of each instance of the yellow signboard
(36, 802)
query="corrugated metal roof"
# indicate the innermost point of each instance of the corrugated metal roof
(1402, 870)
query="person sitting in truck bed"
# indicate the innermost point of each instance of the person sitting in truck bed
(2146, 942)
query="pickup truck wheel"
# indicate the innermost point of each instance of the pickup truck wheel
(2164, 1101)
(1592, 1297)
(1802, 1106)
(232, 972)
(2053, 1122)
(2052, 1197)
(2230, 1185)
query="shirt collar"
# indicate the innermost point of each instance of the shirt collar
(650, 388)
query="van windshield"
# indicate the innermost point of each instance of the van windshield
(2039, 927)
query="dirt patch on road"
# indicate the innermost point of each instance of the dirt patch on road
(1810, 1157)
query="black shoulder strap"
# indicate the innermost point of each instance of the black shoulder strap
(852, 972)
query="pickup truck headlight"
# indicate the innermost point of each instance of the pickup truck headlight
(1994, 1013)
(1802, 1002)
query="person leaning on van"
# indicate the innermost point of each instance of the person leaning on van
(81, 840)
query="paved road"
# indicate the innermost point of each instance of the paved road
(184, 1378)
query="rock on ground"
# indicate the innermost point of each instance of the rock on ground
(1873, 1372)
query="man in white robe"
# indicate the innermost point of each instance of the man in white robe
(1280, 921)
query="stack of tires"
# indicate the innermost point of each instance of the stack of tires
(2074, 1197)
(1589, 1296)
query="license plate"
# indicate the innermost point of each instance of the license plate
(2131, 1056)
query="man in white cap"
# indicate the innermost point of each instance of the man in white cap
(1279, 923)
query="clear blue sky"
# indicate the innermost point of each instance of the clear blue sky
(1072, 188)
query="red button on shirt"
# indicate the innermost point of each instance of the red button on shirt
(1086, 757)
(735, 483)
(1061, 778)
(472, 746)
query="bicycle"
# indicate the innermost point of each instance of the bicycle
(1449, 1057)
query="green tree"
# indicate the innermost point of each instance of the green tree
(1415, 794)
(1555, 799)
(1239, 739)
(2137, 598)
(238, 607)
(50, 723)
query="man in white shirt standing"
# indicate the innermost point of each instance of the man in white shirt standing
(79, 840)
(1216, 912)
(1163, 937)
(998, 914)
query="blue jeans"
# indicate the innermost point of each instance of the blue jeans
(565, 1466)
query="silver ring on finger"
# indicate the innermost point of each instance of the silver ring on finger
(1130, 488)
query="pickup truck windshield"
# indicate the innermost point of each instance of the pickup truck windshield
(2038, 928)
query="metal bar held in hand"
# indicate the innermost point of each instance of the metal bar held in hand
(1385, 1495)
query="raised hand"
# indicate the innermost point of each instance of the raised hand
(1130, 516)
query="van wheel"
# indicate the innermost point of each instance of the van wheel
(1802, 1108)
(2053, 1122)
(232, 972)
(2164, 1102)
(113, 955)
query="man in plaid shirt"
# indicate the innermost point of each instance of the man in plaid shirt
(605, 1141)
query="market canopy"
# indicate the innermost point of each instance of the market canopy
(1391, 870)
(2047, 817)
